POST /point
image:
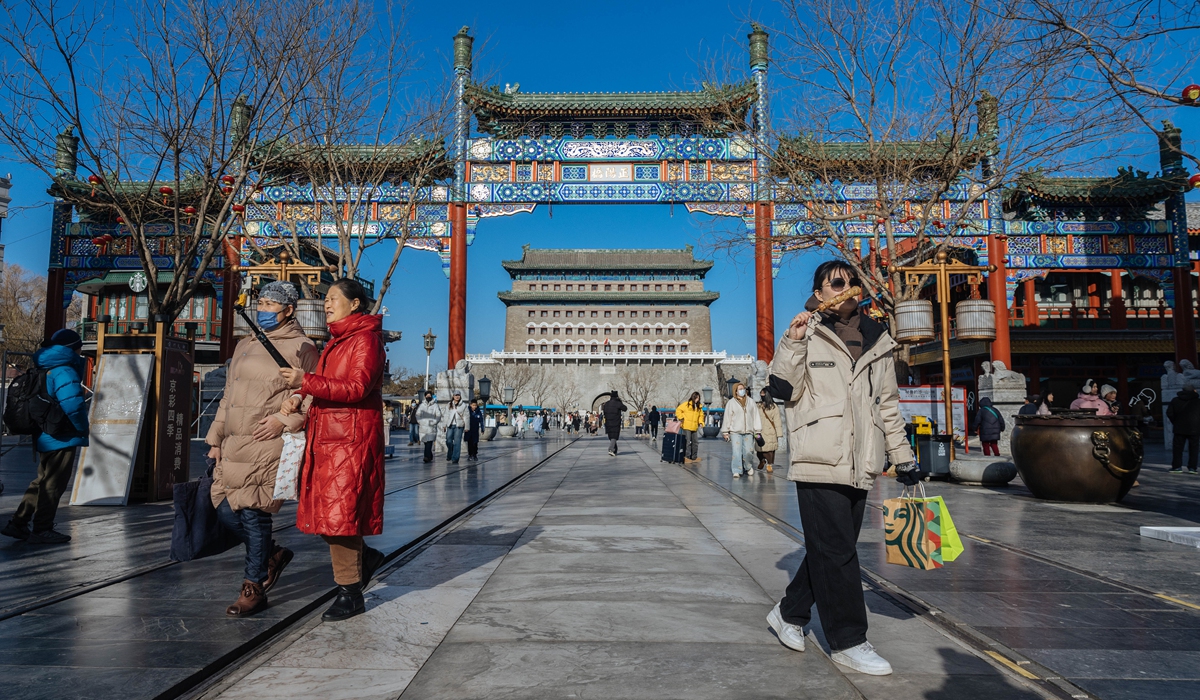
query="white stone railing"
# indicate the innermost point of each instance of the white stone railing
(497, 355)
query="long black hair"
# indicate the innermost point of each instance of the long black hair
(827, 269)
(352, 289)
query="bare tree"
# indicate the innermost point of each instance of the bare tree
(541, 386)
(907, 120)
(169, 117)
(517, 375)
(565, 393)
(23, 308)
(637, 385)
(1137, 53)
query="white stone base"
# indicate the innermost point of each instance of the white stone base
(1189, 536)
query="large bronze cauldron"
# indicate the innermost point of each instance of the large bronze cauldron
(1077, 455)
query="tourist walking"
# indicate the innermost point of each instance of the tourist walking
(474, 425)
(1088, 400)
(1184, 414)
(769, 419)
(428, 416)
(245, 440)
(414, 435)
(612, 410)
(741, 427)
(836, 375)
(653, 419)
(342, 481)
(59, 358)
(454, 421)
(1047, 402)
(690, 415)
(989, 424)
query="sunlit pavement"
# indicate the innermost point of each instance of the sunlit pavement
(626, 577)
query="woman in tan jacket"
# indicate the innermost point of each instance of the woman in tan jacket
(246, 441)
(769, 416)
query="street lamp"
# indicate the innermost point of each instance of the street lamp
(729, 384)
(485, 389)
(509, 398)
(429, 341)
(707, 393)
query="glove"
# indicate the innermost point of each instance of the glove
(909, 473)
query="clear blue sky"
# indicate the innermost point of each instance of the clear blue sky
(609, 46)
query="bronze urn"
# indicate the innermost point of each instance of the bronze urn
(1077, 455)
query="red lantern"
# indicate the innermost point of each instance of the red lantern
(94, 180)
(189, 210)
(938, 224)
(165, 192)
(97, 240)
(880, 222)
(226, 191)
(108, 237)
(228, 179)
(238, 208)
(1194, 180)
(120, 219)
(1191, 93)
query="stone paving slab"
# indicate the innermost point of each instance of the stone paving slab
(601, 595)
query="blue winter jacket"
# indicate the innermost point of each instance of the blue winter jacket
(63, 382)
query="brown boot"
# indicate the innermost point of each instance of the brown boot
(280, 558)
(252, 599)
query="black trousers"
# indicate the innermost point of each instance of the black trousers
(41, 498)
(1193, 444)
(473, 447)
(429, 451)
(831, 516)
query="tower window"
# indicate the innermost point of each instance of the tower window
(670, 314)
(607, 314)
(620, 314)
(670, 287)
(555, 314)
(543, 314)
(683, 287)
(532, 313)
(683, 314)
(657, 314)
(568, 314)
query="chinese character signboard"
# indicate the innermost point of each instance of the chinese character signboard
(928, 401)
(173, 439)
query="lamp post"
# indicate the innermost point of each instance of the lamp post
(706, 395)
(485, 390)
(429, 342)
(729, 384)
(941, 268)
(509, 397)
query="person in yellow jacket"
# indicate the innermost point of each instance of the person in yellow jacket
(691, 415)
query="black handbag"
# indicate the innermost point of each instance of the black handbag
(758, 439)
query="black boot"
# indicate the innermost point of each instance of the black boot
(349, 602)
(372, 560)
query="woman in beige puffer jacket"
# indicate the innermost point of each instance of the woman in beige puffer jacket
(246, 442)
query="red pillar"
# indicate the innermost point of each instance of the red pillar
(56, 315)
(997, 253)
(1031, 305)
(457, 347)
(765, 292)
(1185, 323)
(1117, 306)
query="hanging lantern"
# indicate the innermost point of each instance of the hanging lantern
(226, 191)
(97, 240)
(120, 220)
(938, 224)
(94, 181)
(166, 192)
(880, 222)
(1191, 93)
(108, 237)
(914, 321)
(975, 319)
(189, 210)
(1194, 180)
(228, 179)
(238, 208)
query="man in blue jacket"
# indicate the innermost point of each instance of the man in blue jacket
(60, 357)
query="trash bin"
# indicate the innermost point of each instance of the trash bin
(924, 452)
(939, 456)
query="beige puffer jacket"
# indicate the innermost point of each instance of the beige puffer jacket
(843, 415)
(253, 390)
(739, 419)
(768, 414)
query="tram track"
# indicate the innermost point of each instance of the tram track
(202, 681)
(36, 603)
(1007, 659)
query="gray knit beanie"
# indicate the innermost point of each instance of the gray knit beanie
(279, 292)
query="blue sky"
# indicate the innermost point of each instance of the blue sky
(609, 46)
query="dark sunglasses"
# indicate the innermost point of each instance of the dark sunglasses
(837, 284)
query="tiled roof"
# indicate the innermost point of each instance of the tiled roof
(390, 161)
(493, 105)
(839, 156)
(613, 259)
(1127, 187)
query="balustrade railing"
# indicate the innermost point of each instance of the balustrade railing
(209, 331)
(1075, 317)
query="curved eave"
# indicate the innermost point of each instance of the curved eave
(519, 298)
(517, 266)
(1118, 191)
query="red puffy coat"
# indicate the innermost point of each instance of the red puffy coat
(341, 484)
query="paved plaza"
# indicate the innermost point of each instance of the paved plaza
(576, 574)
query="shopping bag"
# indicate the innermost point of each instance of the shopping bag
(673, 427)
(195, 531)
(287, 476)
(918, 532)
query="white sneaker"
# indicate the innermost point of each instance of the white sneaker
(863, 659)
(738, 475)
(791, 635)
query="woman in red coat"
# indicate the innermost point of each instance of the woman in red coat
(341, 483)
